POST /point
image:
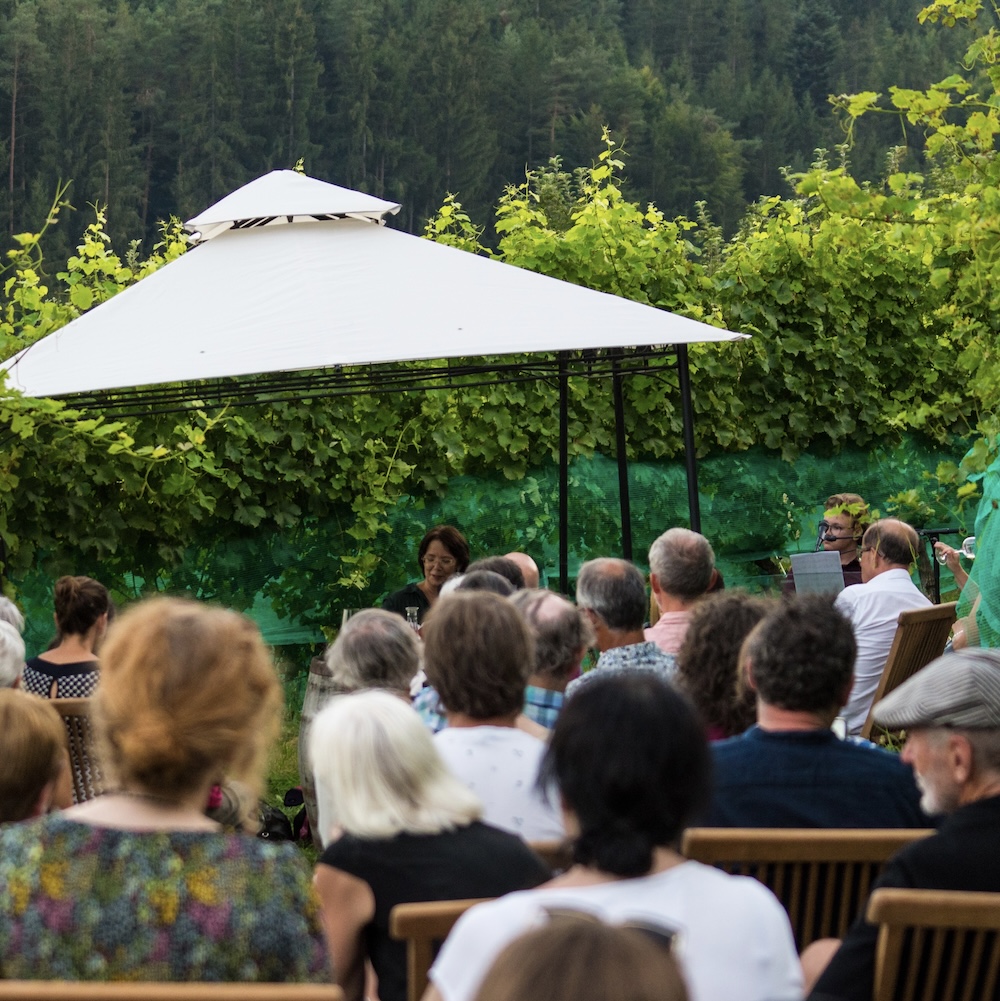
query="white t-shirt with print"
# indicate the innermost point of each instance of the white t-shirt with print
(732, 937)
(500, 765)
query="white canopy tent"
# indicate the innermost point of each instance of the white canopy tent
(294, 274)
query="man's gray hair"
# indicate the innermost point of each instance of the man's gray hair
(11, 655)
(375, 649)
(985, 748)
(561, 631)
(683, 562)
(9, 612)
(615, 590)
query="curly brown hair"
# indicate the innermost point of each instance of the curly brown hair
(708, 660)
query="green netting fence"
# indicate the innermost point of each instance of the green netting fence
(756, 508)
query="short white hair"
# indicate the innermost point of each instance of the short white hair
(9, 612)
(11, 655)
(379, 774)
(374, 649)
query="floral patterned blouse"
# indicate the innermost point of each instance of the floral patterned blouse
(90, 903)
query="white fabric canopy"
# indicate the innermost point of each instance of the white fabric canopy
(334, 292)
(285, 196)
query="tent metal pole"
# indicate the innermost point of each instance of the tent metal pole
(620, 445)
(690, 460)
(564, 472)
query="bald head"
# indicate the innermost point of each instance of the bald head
(528, 567)
(893, 542)
(562, 635)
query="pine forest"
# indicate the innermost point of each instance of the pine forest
(156, 108)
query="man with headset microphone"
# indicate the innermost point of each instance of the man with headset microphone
(845, 518)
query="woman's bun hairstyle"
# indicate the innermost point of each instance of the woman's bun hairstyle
(79, 603)
(188, 694)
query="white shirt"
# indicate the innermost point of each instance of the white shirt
(500, 765)
(733, 940)
(873, 609)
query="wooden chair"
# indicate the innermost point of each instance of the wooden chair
(87, 779)
(71, 990)
(936, 944)
(921, 635)
(423, 927)
(822, 877)
(557, 855)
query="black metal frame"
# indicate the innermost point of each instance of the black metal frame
(277, 387)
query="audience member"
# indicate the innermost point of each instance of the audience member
(888, 550)
(613, 595)
(575, 957)
(562, 635)
(708, 661)
(681, 570)
(632, 768)
(485, 580)
(791, 770)
(398, 827)
(845, 518)
(34, 759)
(374, 649)
(528, 567)
(9, 612)
(11, 656)
(478, 655)
(443, 551)
(146, 887)
(507, 569)
(951, 713)
(69, 669)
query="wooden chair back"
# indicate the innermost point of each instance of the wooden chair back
(936, 944)
(921, 635)
(822, 877)
(557, 855)
(71, 990)
(88, 781)
(423, 927)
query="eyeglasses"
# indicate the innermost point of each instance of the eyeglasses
(827, 529)
(445, 562)
(868, 549)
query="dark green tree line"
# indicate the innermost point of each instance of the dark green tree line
(158, 107)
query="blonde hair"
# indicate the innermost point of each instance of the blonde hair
(33, 747)
(11, 655)
(188, 693)
(378, 773)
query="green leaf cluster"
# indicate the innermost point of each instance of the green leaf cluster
(872, 308)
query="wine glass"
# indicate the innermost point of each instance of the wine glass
(968, 550)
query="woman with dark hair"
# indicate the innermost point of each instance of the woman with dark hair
(708, 661)
(69, 669)
(632, 766)
(443, 552)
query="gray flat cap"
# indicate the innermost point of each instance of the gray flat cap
(960, 689)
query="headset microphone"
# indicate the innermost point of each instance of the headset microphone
(820, 538)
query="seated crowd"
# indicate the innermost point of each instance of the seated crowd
(464, 741)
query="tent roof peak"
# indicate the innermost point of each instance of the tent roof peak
(286, 196)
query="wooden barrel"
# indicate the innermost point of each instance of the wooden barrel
(320, 689)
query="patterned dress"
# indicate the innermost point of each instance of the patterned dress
(79, 902)
(60, 681)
